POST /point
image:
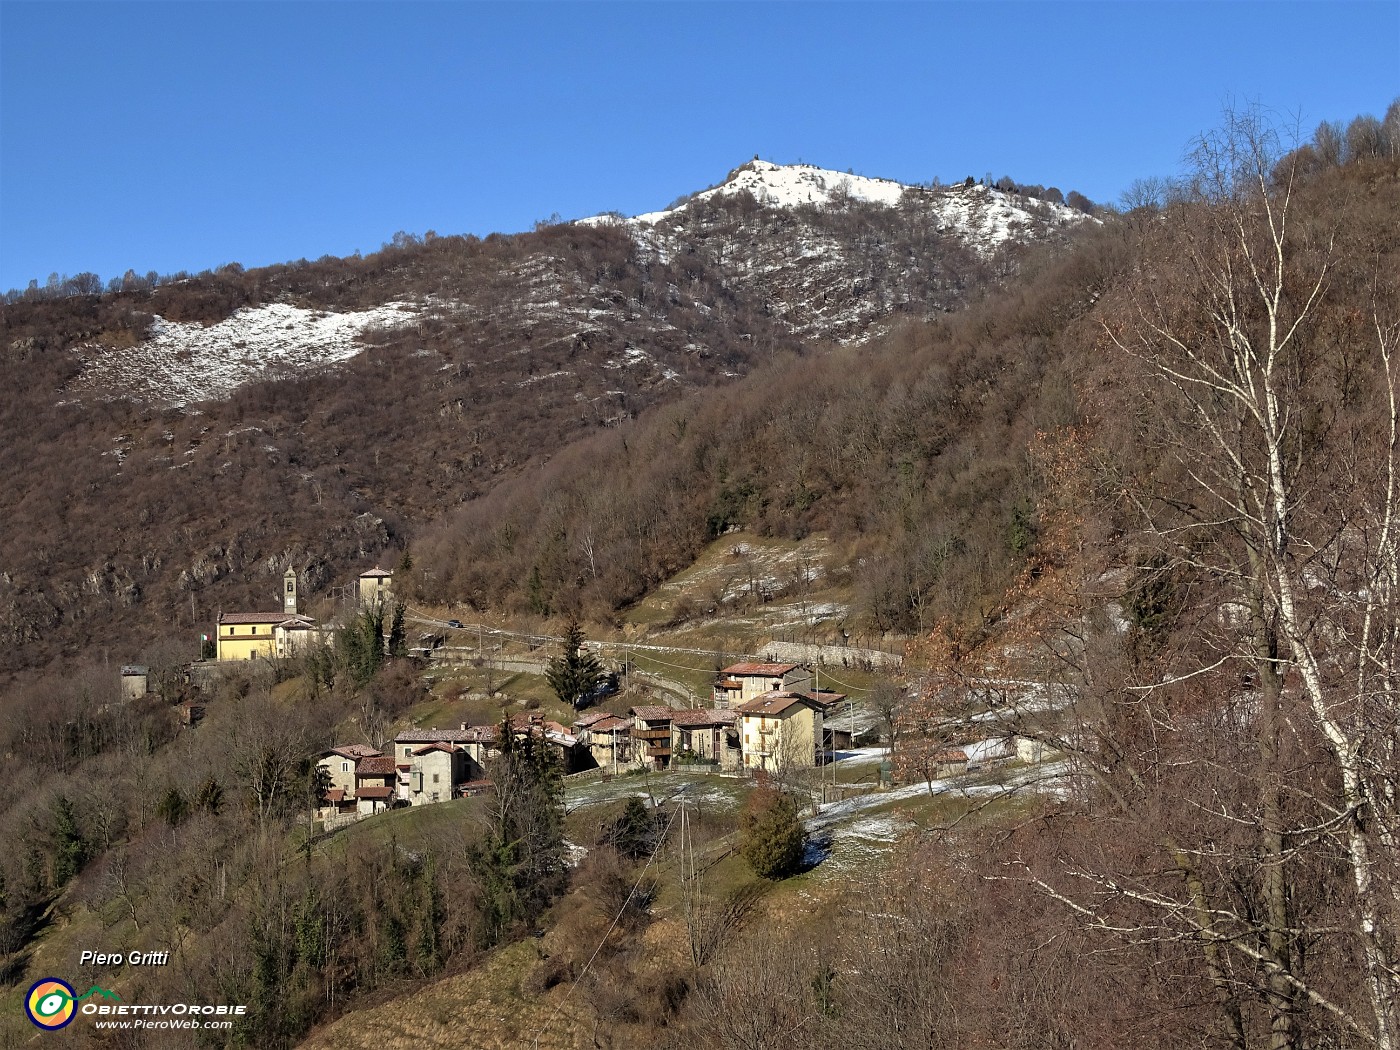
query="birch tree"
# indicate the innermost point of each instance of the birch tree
(1274, 391)
(1210, 614)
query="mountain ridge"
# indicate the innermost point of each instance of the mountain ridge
(321, 412)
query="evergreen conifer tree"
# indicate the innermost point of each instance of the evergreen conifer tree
(576, 673)
(519, 863)
(398, 645)
(772, 837)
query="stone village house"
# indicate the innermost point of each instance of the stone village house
(780, 730)
(740, 683)
(709, 735)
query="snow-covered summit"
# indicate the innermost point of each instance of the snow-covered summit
(982, 216)
(788, 185)
(781, 186)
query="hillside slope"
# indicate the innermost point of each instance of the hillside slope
(347, 402)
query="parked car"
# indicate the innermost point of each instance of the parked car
(606, 687)
(454, 623)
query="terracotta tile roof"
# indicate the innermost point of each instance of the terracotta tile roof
(826, 697)
(759, 669)
(711, 716)
(593, 716)
(335, 795)
(607, 725)
(376, 572)
(520, 723)
(268, 617)
(775, 703)
(375, 766)
(433, 736)
(653, 713)
(355, 751)
(436, 746)
(374, 792)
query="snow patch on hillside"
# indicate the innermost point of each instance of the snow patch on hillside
(183, 362)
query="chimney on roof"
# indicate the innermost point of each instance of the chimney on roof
(464, 727)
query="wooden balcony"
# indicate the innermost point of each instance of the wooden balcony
(652, 734)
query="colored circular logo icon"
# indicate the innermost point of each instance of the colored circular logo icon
(50, 1003)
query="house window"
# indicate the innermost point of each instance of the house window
(290, 586)
(345, 767)
(435, 780)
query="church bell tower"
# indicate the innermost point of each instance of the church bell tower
(289, 592)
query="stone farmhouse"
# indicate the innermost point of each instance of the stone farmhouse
(360, 779)
(709, 735)
(374, 588)
(740, 683)
(434, 765)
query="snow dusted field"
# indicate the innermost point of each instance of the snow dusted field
(181, 362)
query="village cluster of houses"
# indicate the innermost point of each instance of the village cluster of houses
(765, 717)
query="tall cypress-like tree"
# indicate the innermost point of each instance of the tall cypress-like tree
(398, 636)
(359, 645)
(519, 864)
(576, 673)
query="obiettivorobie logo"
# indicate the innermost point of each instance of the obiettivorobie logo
(52, 1004)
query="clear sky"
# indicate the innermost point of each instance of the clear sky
(180, 136)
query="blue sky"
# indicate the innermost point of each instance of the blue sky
(185, 135)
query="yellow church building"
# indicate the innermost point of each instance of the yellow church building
(246, 636)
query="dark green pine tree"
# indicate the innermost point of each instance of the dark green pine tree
(576, 673)
(519, 862)
(772, 837)
(398, 637)
(71, 848)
